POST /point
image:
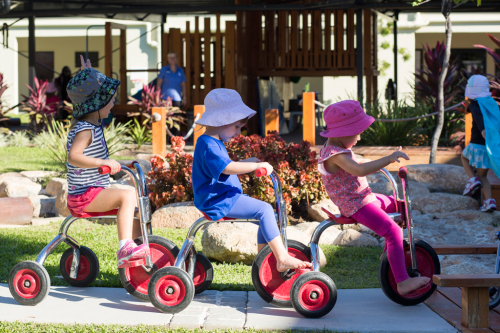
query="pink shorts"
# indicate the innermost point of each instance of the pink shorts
(78, 202)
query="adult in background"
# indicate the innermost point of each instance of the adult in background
(61, 83)
(172, 81)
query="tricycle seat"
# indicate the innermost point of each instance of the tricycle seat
(93, 214)
(222, 219)
(340, 219)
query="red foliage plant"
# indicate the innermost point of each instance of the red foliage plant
(494, 80)
(294, 163)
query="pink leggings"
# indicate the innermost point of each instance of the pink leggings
(374, 216)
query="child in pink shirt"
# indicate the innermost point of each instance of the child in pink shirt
(345, 182)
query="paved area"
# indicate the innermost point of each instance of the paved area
(360, 310)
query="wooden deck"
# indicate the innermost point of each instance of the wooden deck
(447, 302)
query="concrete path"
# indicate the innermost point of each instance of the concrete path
(359, 310)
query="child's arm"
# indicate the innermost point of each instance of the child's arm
(361, 170)
(238, 168)
(76, 157)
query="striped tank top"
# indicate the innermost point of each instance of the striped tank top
(80, 179)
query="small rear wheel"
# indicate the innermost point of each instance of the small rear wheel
(313, 294)
(135, 279)
(494, 293)
(29, 283)
(270, 284)
(171, 290)
(203, 274)
(428, 265)
(88, 270)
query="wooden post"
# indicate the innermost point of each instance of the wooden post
(308, 116)
(196, 63)
(468, 128)
(160, 132)
(218, 55)
(123, 66)
(475, 308)
(272, 121)
(230, 75)
(108, 50)
(164, 45)
(207, 79)
(198, 110)
(188, 67)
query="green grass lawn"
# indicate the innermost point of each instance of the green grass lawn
(13, 159)
(350, 268)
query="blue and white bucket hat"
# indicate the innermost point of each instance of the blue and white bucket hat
(477, 86)
(224, 107)
(90, 91)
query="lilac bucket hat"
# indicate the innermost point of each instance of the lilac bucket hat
(477, 86)
(224, 107)
(345, 118)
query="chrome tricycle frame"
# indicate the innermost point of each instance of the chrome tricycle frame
(144, 217)
(187, 253)
(402, 216)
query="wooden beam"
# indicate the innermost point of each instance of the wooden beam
(339, 39)
(196, 63)
(176, 44)
(218, 55)
(188, 67)
(475, 309)
(465, 249)
(160, 132)
(305, 39)
(229, 68)
(108, 50)
(207, 78)
(294, 39)
(468, 128)
(308, 117)
(123, 67)
(328, 38)
(164, 45)
(272, 121)
(198, 110)
(316, 39)
(467, 280)
(367, 53)
(282, 24)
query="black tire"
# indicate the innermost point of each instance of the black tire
(135, 280)
(264, 268)
(88, 271)
(29, 283)
(494, 293)
(428, 265)
(180, 284)
(203, 274)
(308, 286)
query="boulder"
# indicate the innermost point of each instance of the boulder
(36, 175)
(328, 236)
(55, 185)
(62, 202)
(43, 206)
(415, 189)
(7, 175)
(180, 215)
(439, 177)
(351, 237)
(237, 242)
(468, 267)
(19, 187)
(144, 164)
(443, 202)
(317, 214)
(376, 177)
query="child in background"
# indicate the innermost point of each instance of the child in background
(217, 189)
(346, 185)
(92, 94)
(475, 154)
(52, 100)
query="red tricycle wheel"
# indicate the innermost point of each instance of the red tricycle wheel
(171, 289)
(29, 283)
(203, 273)
(428, 265)
(88, 270)
(313, 294)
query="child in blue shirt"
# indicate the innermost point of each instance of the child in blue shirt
(217, 189)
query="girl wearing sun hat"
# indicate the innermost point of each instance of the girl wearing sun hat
(483, 151)
(346, 185)
(217, 189)
(92, 94)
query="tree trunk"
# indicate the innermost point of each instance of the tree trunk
(440, 99)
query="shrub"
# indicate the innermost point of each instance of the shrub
(18, 139)
(3, 110)
(140, 133)
(36, 105)
(294, 163)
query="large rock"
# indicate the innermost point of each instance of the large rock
(237, 242)
(376, 178)
(179, 215)
(144, 164)
(43, 206)
(386, 188)
(37, 175)
(316, 212)
(328, 236)
(7, 175)
(439, 177)
(351, 237)
(62, 201)
(19, 187)
(443, 202)
(55, 185)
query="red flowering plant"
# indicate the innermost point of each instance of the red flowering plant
(173, 183)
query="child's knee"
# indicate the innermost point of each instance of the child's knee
(127, 197)
(393, 232)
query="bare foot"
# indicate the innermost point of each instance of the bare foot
(291, 263)
(412, 284)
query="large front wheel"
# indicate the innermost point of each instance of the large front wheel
(428, 265)
(271, 285)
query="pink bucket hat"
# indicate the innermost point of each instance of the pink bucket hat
(345, 118)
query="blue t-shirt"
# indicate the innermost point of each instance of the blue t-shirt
(214, 192)
(171, 85)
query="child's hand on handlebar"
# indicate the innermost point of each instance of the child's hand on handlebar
(113, 165)
(394, 157)
(267, 166)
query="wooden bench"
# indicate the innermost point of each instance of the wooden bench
(466, 249)
(475, 295)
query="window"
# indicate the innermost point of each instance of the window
(419, 59)
(44, 66)
(471, 60)
(93, 56)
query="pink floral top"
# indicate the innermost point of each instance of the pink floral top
(350, 193)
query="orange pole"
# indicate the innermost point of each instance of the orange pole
(308, 115)
(198, 110)
(272, 121)
(160, 132)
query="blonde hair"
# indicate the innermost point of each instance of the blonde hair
(171, 53)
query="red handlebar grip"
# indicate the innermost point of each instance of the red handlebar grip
(104, 170)
(402, 172)
(131, 164)
(261, 172)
